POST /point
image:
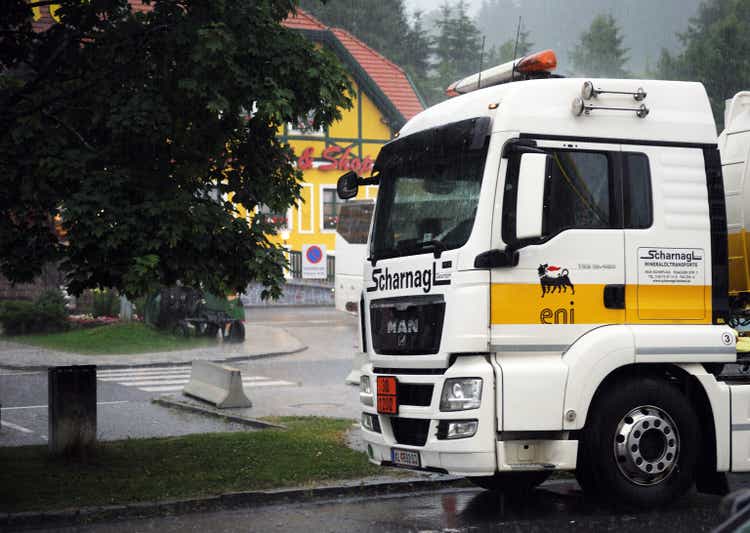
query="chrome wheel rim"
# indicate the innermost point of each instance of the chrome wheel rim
(646, 445)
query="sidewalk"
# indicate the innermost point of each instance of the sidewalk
(260, 341)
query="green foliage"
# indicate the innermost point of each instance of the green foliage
(51, 298)
(134, 126)
(114, 339)
(458, 45)
(510, 50)
(310, 452)
(46, 314)
(600, 51)
(716, 51)
(105, 303)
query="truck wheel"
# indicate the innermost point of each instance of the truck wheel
(511, 482)
(640, 444)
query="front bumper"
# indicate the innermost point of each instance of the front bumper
(472, 456)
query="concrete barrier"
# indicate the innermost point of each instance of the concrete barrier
(359, 360)
(218, 384)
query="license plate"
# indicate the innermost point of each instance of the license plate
(401, 457)
(387, 388)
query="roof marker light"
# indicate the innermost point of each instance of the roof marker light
(534, 65)
(544, 61)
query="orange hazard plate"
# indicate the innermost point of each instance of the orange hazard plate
(387, 387)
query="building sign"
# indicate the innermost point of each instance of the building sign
(314, 265)
(335, 158)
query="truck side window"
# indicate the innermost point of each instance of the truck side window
(637, 191)
(577, 193)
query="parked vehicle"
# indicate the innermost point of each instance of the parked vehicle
(550, 277)
(352, 230)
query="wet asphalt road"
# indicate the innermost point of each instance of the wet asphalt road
(314, 385)
(559, 506)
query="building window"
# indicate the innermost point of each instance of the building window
(304, 126)
(278, 219)
(331, 208)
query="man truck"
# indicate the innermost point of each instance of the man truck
(552, 272)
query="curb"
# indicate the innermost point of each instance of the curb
(208, 411)
(83, 515)
(234, 359)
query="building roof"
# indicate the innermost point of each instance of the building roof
(384, 82)
(391, 78)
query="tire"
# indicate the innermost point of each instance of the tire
(511, 482)
(236, 331)
(181, 329)
(640, 445)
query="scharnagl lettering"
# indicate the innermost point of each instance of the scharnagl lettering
(385, 280)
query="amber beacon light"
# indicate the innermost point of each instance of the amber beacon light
(537, 65)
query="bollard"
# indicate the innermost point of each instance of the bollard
(72, 410)
(217, 384)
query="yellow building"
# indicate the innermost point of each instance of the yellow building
(384, 99)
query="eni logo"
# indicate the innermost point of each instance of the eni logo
(554, 279)
(562, 315)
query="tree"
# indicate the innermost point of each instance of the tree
(130, 130)
(716, 51)
(510, 50)
(457, 48)
(600, 51)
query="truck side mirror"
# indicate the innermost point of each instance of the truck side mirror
(532, 174)
(348, 185)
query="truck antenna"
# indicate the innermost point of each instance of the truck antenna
(481, 58)
(515, 46)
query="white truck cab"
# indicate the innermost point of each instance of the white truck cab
(547, 288)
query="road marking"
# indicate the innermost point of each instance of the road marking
(171, 379)
(22, 429)
(46, 406)
(20, 373)
(173, 388)
(143, 371)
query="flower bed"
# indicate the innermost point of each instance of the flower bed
(90, 321)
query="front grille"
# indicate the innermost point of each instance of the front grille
(410, 431)
(415, 394)
(409, 325)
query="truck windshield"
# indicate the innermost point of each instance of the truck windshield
(429, 189)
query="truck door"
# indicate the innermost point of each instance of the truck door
(667, 235)
(573, 278)
(567, 282)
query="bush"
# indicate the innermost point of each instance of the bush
(106, 303)
(51, 298)
(46, 315)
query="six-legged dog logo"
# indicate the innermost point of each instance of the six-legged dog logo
(551, 281)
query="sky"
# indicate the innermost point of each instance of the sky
(429, 5)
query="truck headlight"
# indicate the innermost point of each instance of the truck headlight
(365, 392)
(364, 385)
(461, 394)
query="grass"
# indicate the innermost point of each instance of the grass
(125, 338)
(310, 451)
